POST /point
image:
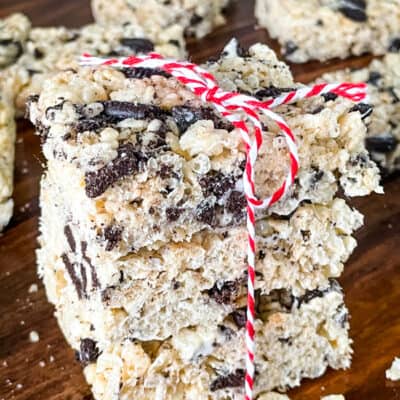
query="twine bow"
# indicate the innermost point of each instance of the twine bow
(232, 106)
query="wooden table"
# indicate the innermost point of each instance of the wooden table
(46, 370)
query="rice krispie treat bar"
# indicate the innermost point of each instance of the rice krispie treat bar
(7, 142)
(143, 237)
(324, 29)
(206, 276)
(137, 153)
(203, 363)
(383, 116)
(14, 32)
(196, 17)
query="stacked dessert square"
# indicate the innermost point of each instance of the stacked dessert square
(143, 236)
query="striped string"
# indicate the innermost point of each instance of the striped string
(233, 106)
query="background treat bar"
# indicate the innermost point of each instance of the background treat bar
(143, 237)
(14, 32)
(196, 17)
(383, 116)
(7, 151)
(324, 29)
(48, 50)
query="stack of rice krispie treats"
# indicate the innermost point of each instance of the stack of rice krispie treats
(143, 235)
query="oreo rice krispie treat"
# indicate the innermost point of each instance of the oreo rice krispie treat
(7, 150)
(383, 116)
(324, 29)
(14, 32)
(143, 237)
(196, 17)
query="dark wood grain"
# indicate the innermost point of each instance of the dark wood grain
(371, 279)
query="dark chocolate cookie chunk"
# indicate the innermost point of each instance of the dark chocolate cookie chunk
(381, 144)
(185, 116)
(138, 45)
(126, 163)
(224, 293)
(354, 10)
(88, 352)
(234, 379)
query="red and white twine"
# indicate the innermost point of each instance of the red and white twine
(233, 106)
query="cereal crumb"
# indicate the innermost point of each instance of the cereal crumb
(22, 322)
(5, 364)
(42, 364)
(393, 373)
(19, 386)
(51, 359)
(34, 337)
(333, 397)
(33, 288)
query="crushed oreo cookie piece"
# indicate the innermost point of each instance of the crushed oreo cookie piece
(289, 48)
(234, 379)
(374, 78)
(394, 46)
(141, 73)
(216, 183)
(173, 213)
(364, 109)
(313, 294)
(185, 116)
(70, 238)
(317, 175)
(196, 19)
(381, 144)
(126, 163)
(51, 111)
(206, 213)
(86, 258)
(72, 274)
(138, 45)
(329, 96)
(271, 92)
(17, 46)
(113, 235)
(120, 110)
(236, 205)
(88, 352)
(239, 317)
(224, 292)
(356, 10)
